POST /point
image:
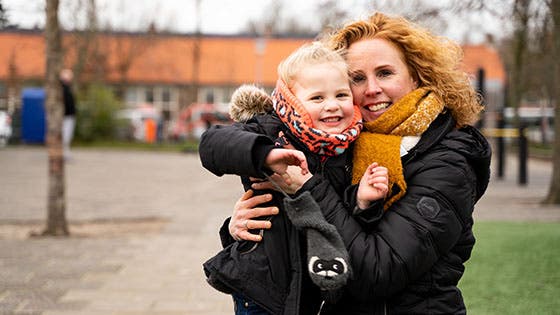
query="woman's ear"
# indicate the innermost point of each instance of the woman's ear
(414, 78)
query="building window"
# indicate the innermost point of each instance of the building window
(131, 96)
(149, 95)
(215, 94)
(165, 95)
(209, 97)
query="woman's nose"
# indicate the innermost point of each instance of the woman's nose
(372, 87)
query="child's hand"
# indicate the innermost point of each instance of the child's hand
(373, 185)
(279, 159)
(290, 182)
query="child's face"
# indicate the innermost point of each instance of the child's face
(324, 91)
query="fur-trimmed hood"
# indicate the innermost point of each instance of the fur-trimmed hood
(248, 101)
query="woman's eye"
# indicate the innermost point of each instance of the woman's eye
(357, 79)
(384, 73)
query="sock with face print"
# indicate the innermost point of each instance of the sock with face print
(327, 258)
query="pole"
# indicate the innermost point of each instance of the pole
(523, 153)
(482, 91)
(500, 146)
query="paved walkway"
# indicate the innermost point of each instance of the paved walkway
(142, 225)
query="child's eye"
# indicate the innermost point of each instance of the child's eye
(343, 95)
(317, 98)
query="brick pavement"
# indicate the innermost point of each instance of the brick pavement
(158, 272)
(506, 200)
(148, 271)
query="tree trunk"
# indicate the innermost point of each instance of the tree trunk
(83, 43)
(56, 203)
(520, 38)
(553, 196)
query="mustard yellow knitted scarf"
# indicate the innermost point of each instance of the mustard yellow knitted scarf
(380, 140)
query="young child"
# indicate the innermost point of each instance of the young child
(311, 124)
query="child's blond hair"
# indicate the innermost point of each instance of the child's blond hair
(309, 54)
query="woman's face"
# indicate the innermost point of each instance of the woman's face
(379, 74)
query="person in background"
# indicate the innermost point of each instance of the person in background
(69, 122)
(419, 109)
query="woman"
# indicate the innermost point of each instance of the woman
(417, 108)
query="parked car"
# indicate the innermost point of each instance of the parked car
(198, 117)
(5, 128)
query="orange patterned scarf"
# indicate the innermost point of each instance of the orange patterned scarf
(295, 117)
(381, 139)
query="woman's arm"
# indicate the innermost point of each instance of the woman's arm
(247, 208)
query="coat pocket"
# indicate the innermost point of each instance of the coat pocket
(248, 273)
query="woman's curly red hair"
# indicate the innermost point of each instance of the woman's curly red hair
(433, 61)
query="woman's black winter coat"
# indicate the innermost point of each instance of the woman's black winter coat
(411, 258)
(272, 272)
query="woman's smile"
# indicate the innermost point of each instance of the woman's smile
(379, 76)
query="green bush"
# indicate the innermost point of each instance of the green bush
(96, 114)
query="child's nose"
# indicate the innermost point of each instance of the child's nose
(332, 104)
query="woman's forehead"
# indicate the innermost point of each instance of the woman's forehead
(373, 51)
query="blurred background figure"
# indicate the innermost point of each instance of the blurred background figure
(69, 122)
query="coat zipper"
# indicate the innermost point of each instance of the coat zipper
(321, 307)
(323, 303)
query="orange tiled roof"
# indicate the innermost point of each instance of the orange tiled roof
(167, 59)
(26, 51)
(485, 57)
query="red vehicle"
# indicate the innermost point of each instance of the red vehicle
(198, 117)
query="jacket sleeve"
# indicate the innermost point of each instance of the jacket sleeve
(225, 237)
(236, 149)
(368, 217)
(411, 235)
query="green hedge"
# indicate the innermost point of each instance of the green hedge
(96, 114)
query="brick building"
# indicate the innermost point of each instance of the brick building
(171, 71)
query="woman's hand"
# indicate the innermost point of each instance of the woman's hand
(290, 182)
(245, 209)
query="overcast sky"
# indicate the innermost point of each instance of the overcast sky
(217, 16)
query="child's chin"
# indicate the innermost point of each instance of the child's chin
(336, 131)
